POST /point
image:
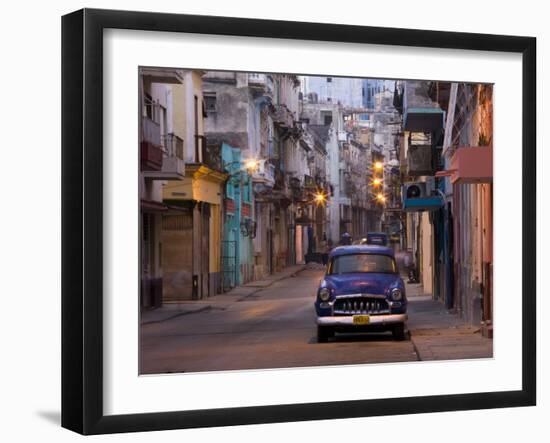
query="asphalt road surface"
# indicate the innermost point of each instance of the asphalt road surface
(271, 327)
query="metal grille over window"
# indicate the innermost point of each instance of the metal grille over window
(176, 222)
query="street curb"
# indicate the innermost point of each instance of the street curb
(179, 314)
(275, 280)
(209, 307)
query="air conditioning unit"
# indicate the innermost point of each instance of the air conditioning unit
(420, 196)
(415, 190)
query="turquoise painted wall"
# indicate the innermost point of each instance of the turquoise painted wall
(237, 245)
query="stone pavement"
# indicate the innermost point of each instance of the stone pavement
(440, 334)
(169, 311)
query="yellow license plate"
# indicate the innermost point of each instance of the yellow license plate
(361, 319)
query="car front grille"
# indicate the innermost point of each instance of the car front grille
(360, 305)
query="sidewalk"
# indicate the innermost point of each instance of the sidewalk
(439, 334)
(221, 301)
(270, 279)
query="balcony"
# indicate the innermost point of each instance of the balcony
(344, 166)
(283, 117)
(420, 160)
(209, 155)
(257, 81)
(150, 147)
(420, 113)
(261, 83)
(296, 190)
(265, 174)
(279, 179)
(173, 165)
(309, 183)
(163, 75)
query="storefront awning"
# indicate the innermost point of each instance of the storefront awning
(471, 165)
(152, 206)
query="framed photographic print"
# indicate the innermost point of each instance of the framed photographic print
(269, 221)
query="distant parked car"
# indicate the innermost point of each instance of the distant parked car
(361, 291)
(373, 238)
(377, 238)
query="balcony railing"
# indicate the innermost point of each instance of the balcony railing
(309, 182)
(265, 174)
(151, 131)
(208, 154)
(256, 80)
(150, 156)
(283, 117)
(173, 145)
(150, 146)
(279, 179)
(262, 83)
(172, 163)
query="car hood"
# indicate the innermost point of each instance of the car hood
(373, 283)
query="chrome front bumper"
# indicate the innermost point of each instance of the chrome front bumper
(347, 320)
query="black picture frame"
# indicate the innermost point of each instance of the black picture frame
(82, 218)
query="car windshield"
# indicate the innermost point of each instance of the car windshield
(358, 263)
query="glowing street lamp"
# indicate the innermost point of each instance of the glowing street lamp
(378, 166)
(381, 197)
(376, 181)
(251, 165)
(319, 198)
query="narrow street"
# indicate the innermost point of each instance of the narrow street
(271, 324)
(250, 181)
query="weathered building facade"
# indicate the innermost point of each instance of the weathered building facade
(447, 149)
(467, 156)
(258, 115)
(161, 159)
(192, 224)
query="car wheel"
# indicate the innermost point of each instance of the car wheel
(324, 333)
(398, 332)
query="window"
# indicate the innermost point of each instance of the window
(327, 119)
(230, 189)
(362, 263)
(210, 102)
(247, 190)
(329, 79)
(148, 104)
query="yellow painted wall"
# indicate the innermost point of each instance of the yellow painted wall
(207, 191)
(215, 238)
(200, 190)
(427, 252)
(178, 110)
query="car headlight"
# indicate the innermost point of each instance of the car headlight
(324, 294)
(396, 294)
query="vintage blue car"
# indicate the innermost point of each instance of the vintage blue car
(361, 291)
